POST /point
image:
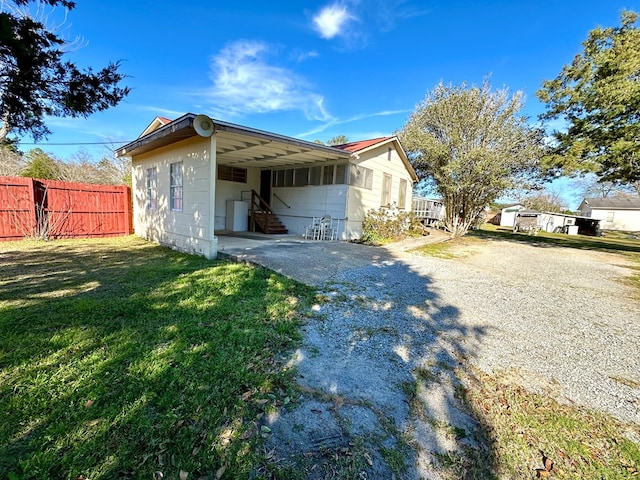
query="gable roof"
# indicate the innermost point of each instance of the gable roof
(155, 124)
(366, 145)
(616, 203)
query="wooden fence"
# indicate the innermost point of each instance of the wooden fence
(34, 208)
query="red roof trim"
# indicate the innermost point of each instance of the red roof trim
(361, 145)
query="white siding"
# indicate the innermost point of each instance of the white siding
(627, 220)
(384, 159)
(184, 230)
(308, 202)
(508, 215)
(226, 190)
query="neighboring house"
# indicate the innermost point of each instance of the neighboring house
(193, 177)
(613, 213)
(508, 214)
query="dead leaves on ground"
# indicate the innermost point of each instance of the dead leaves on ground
(548, 466)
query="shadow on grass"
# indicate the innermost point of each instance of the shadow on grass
(119, 358)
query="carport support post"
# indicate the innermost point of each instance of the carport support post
(212, 252)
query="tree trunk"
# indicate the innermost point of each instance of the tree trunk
(5, 129)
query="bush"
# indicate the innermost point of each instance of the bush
(389, 224)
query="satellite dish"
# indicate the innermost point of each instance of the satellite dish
(203, 125)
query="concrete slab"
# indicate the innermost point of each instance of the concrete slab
(312, 262)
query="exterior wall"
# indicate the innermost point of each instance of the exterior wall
(550, 222)
(508, 215)
(308, 202)
(384, 159)
(226, 190)
(186, 230)
(628, 220)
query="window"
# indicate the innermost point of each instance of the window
(402, 194)
(152, 188)
(175, 188)
(232, 174)
(610, 216)
(361, 177)
(302, 177)
(315, 177)
(278, 178)
(288, 178)
(341, 174)
(385, 200)
(327, 175)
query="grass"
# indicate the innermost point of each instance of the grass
(520, 426)
(613, 242)
(120, 359)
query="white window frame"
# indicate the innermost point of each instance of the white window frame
(152, 188)
(402, 194)
(176, 192)
(385, 199)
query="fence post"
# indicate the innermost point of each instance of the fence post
(126, 192)
(33, 211)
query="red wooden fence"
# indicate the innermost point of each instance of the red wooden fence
(50, 209)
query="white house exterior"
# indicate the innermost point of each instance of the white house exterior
(613, 213)
(508, 214)
(376, 173)
(186, 184)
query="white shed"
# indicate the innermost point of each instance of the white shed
(508, 214)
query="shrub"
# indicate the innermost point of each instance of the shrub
(389, 224)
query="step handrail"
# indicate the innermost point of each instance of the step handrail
(262, 206)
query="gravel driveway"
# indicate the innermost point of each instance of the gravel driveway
(559, 320)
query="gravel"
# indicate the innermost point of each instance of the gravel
(561, 321)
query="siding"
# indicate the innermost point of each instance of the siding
(307, 202)
(384, 159)
(226, 190)
(627, 220)
(185, 230)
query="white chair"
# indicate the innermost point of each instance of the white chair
(321, 228)
(313, 231)
(327, 230)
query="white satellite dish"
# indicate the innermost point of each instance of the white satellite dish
(203, 125)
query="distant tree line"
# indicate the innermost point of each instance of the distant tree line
(81, 167)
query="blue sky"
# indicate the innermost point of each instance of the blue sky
(314, 69)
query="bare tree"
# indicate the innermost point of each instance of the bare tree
(11, 162)
(543, 201)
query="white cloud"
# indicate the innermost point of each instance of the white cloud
(244, 82)
(334, 121)
(332, 20)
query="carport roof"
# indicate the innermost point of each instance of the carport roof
(237, 145)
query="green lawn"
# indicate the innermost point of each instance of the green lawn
(617, 242)
(120, 359)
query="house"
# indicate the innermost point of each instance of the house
(617, 213)
(194, 177)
